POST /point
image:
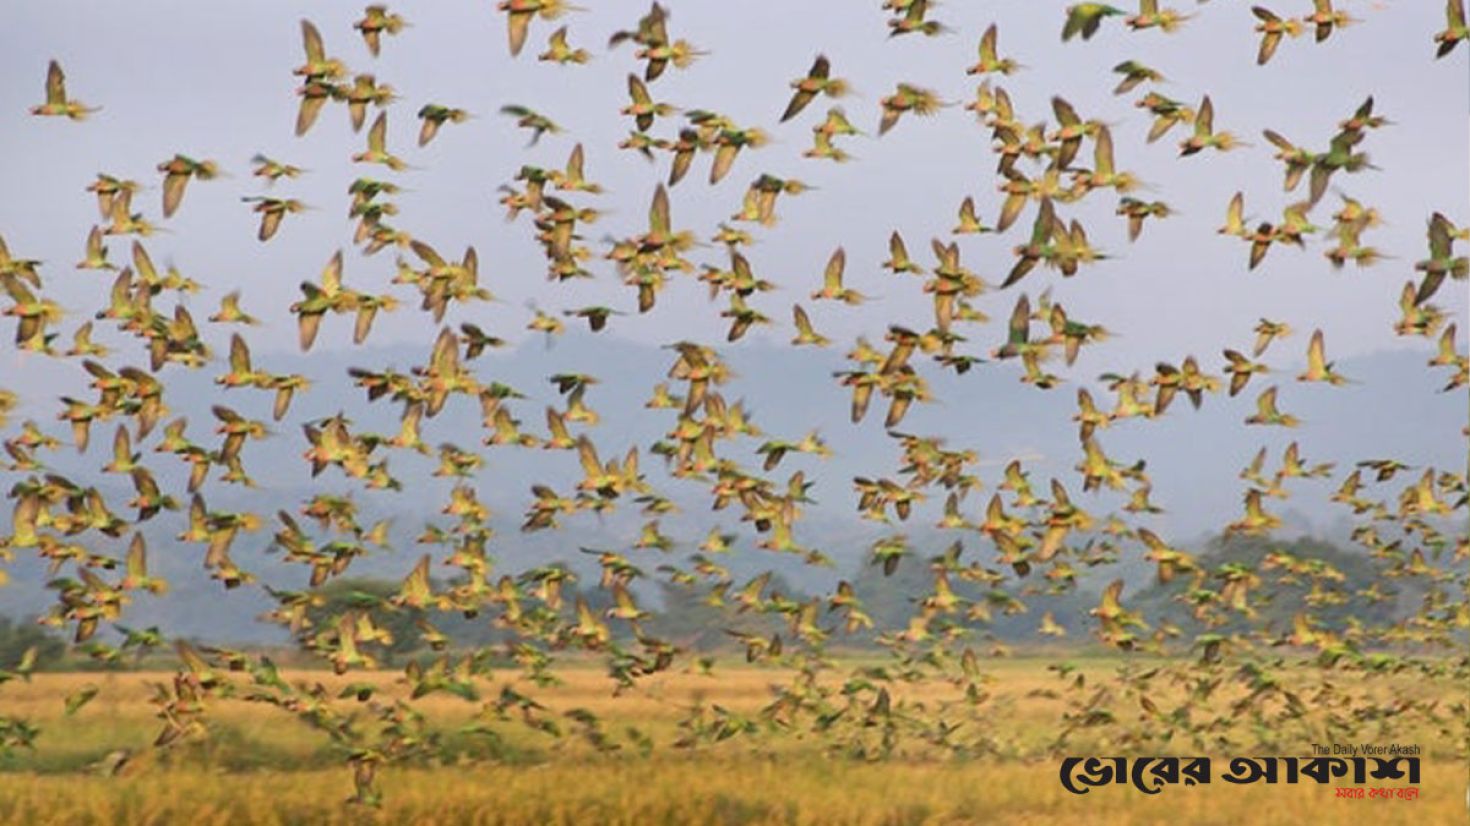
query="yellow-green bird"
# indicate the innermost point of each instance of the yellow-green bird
(543, 323)
(822, 147)
(1104, 172)
(1420, 320)
(657, 49)
(317, 66)
(760, 199)
(314, 95)
(527, 118)
(1363, 119)
(689, 142)
(1086, 18)
(1205, 135)
(1150, 16)
(1267, 414)
(990, 61)
(272, 211)
(1166, 111)
(365, 89)
(520, 13)
(1297, 159)
(377, 147)
(836, 123)
(969, 221)
(1134, 73)
(1170, 561)
(557, 50)
(572, 178)
(818, 81)
(96, 257)
(35, 314)
(176, 174)
(368, 307)
(82, 345)
(832, 288)
(728, 142)
(124, 460)
(80, 697)
(57, 103)
(806, 334)
(742, 316)
(651, 29)
(1256, 519)
(1272, 29)
(913, 19)
(434, 116)
(907, 98)
(319, 300)
(596, 316)
(137, 569)
(1137, 210)
(273, 170)
(1318, 367)
(643, 109)
(108, 188)
(1114, 619)
(1339, 155)
(1442, 262)
(661, 53)
(377, 21)
(899, 261)
(1454, 30)
(1241, 369)
(1326, 19)
(1042, 245)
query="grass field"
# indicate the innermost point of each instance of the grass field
(259, 765)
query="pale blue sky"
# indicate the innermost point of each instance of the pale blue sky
(213, 81)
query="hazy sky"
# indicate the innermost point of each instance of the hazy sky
(213, 81)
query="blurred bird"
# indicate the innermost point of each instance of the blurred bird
(817, 82)
(57, 103)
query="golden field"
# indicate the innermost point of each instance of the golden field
(261, 766)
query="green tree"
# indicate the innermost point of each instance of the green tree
(18, 637)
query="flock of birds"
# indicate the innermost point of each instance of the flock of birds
(1036, 531)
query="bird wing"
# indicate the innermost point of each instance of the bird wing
(55, 84)
(638, 91)
(518, 24)
(1066, 115)
(1204, 120)
(1266, 402)
(173, 192)
(587, 454)
(239, 354)
(1103, 152)
(658, 210)
(429, 255)
(832, 276)
(311, 39)
(377, 139)
(1020, 325)
(987, 45)
(1439, 236)
(1316, 354)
